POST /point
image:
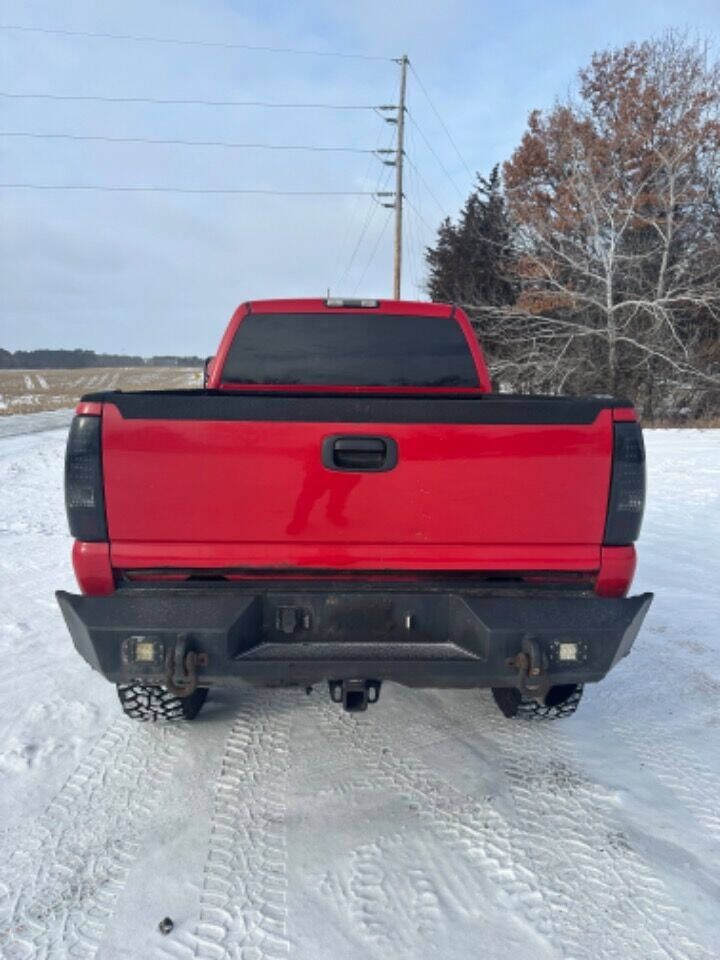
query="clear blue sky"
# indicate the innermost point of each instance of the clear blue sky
(160, 273)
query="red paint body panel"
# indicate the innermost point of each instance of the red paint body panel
(624, 415)
(93, 571)
(261, 488)
(617, 569)
(353, 556)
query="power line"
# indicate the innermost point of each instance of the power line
(139, 38)
(420, 216)
(415, 242)
(186, 143)
(374, 250)
(433, 152)
(380, 185)
(421, 280)
(381, 109)
(382, 180)
(341, 247)
(340, 250)
(412, 182)
(416, 245)
(223, 190)
(369, 214)
(419, 177)
(421, 250)
(201, 103)
(411, 255)
(442, 122)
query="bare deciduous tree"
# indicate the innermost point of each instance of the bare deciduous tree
(615, 200)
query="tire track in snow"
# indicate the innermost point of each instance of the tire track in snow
(467, 850)
(402, 891)
(694, 784)
(58, 887)
(603, 898)
(665, 753)
(243, 896)
(558, 858)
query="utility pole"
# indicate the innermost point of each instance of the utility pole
(399, 156)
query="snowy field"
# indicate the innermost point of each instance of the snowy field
(430, 827)
(31, 391)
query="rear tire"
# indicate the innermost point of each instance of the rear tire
(148, 702)
(558, 703)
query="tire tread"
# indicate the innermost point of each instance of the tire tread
(514, 705)
(150, 703)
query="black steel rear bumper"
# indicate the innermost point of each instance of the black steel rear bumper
(304, 634)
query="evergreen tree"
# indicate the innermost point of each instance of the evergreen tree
(470, 262)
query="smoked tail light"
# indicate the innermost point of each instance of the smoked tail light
(627, 485)
(84, 497)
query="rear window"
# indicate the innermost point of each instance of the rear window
(350, 349)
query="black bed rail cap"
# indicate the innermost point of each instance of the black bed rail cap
(345, 406)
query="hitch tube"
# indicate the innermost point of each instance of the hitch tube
(354, 695)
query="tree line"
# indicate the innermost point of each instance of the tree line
(47, 359)
(589, 261)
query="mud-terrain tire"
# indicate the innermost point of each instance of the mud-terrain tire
(147, 702)
(559, 702)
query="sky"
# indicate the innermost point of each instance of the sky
(161, 272)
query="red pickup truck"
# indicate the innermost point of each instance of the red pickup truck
(347, 502)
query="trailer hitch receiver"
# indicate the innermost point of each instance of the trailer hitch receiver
(354, 695)
(532, 666)
(181, 679)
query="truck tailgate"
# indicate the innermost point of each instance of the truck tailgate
(230, 480)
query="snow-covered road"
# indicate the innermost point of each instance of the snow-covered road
(430, 827)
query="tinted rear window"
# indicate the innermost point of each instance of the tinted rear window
(351, 349)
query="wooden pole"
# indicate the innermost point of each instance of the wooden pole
(399, 156)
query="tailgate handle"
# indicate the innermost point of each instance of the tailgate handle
(359, 453)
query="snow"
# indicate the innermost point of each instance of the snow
(277, 826)
(21, 423)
